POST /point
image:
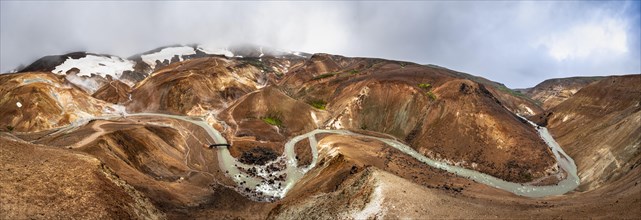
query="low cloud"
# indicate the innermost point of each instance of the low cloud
(517, 43)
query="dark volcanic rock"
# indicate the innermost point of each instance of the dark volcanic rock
(258, 156)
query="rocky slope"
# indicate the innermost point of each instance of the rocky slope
(43, 182)
(513, 100)
(115, 92)
(376, 194)
(196, 86)
(552, 92)
(599, 128)
(361, 180)
(415, 103)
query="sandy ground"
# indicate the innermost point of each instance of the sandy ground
(43, 182)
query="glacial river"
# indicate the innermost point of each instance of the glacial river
(291, 173)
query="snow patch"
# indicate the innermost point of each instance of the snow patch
(19, 104)
(90, 85)
(167, 54)
(216, 50)
(99, 65)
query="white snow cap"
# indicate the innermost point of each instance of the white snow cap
(215, 50)
(167, 54)
(99, 65)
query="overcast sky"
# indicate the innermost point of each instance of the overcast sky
(516, 43)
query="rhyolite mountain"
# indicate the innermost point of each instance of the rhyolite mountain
(552, 92)
(79, 109)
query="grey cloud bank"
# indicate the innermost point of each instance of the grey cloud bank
(516, 43)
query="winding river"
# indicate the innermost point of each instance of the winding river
(274, 179)
(287, 167)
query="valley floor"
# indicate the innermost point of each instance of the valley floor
(55, 181)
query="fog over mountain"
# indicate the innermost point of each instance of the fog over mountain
(516, 43)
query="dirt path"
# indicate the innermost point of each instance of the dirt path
(99, 132)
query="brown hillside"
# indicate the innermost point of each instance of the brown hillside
(39, 101)
(552, 92)
(387, 97)
(115, 92)
(195, 86)
(43, 182)
(600, 127)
